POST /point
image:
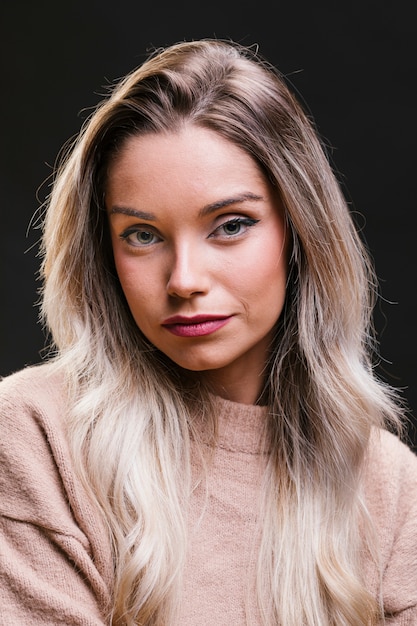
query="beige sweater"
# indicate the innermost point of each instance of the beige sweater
(54, 553)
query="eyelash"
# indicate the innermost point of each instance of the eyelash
(247, 222)
(135, 230)
(241, 221)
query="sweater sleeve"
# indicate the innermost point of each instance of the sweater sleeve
(51, 566)
(400, 576)
(392, 489)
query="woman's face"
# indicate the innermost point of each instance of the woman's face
(199, 245)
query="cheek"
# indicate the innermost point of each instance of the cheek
(265, 285)
(137, 285)
(265, 271)
(262, 294)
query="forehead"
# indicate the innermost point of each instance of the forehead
(197, 159)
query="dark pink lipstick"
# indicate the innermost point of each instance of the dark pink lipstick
(196, 326)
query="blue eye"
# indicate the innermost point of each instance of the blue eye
(233, 227)
(139, 237)
(236, 226)
(144, 237)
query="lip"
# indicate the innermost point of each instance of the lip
(196, 326)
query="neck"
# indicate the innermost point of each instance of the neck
(241, 389)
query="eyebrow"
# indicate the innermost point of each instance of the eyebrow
(204, 211)
(220, 204)
(142, 215)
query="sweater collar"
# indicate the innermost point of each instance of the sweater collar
(241, 427)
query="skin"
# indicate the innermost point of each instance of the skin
(197, 230)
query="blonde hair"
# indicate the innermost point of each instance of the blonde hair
(133, 408)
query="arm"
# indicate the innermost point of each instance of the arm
(400, 575)
(54, 559)
(392, 489)
(41, 582)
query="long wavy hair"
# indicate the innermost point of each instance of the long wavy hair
(133, 407)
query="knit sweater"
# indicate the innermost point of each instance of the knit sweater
(55, 564)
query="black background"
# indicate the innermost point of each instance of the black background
(353, 65)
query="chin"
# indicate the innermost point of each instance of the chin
(200, 365)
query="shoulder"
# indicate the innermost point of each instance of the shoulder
(32, 408)
(46, 515)
(390, 461)
(34, 453)
(31, 400)
(31, 386)
(391, 498)
(390, 475)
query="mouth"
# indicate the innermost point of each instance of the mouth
(196, 326)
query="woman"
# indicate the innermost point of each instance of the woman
(209, 444)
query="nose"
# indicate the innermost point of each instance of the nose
(188, 274)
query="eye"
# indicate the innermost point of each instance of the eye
(139, 237)
(234, 227)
